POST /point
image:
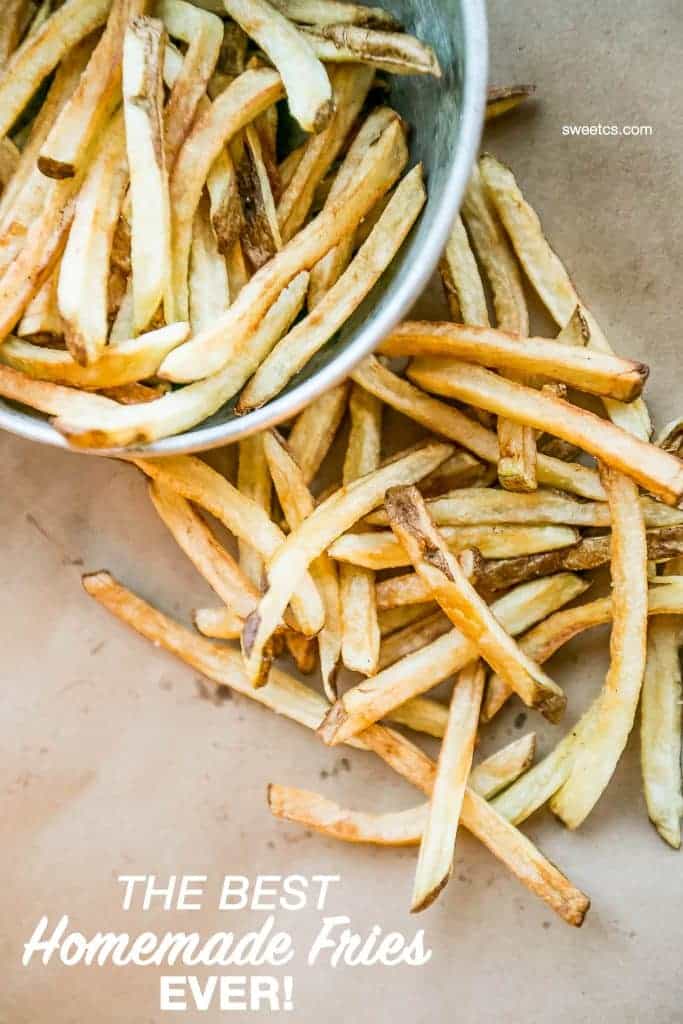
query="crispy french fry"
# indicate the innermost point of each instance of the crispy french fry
(196, 481)
(398, 828)
(208, 279)
(381, 550)
(232, 110)
(461, 279)
(597, 373)
(212, 349)
(9, 161)
(303, 652)
(82, 290)
(42, 314)
(412, 637)
(660, 724)
(308, 88)
(392, 619)
(435, 860)
(418, 672)
(343, 298)
(15, 16)
(261, 232)
(305, 544)
(65, 150)
(23, 73)
(549, 277)
(331, 12)
(461, 470)
(218, 623)
(315, 429)
(124, 363)
(178, 410)
(410, 521)
(52, 399)
(499, 770)
(501, 99)
(449, 422)
(253, 480)
(297, 503)
(350, 88)
(652, 468)
(227, 217)
(397, 52)
(132, 394)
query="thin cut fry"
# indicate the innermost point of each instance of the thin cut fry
(335, 515)
(208, 279)
(501, 99)
(52, 399)
(442, 572)
(178, 410)
(308, 88)
(435, 860)
(392, 619)
(261, 232)
(499, 770)
(397, 52)
(652, 468)
(227, 217)
(367, 266)
(550, 279)
(412, 637)
(253, 480)
(419, 672)
(218, 623)
(315, 429)
(331, 12)
(461, 279)
(210, 350)
(594, 372)
(449, 422)
(42, 314)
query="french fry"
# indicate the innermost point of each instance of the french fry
(381, 550)
(9, 161)
(52, 399)
(303, 652)
(449, 422)
(654, 469)
(305, 544)
(253, 480)
(308, 88)
(517, 469)
(124, 363)
(227, 217)
(218, 623)
(412, 637)
(42, 315)
(331, 12)
(660, 724)
(549, 277)
(202, 31)
(461, 279)
(196, 481)
(350, 88)
(261, 232)
(315, 429)
(392, 619)
(292, 353)
(410, 521)
(212, 349)
(398, 828)
(499, 770)
(422, 714)
(43, 51)
(461, 470)
(232, 110)
(419, 672)
(178, 410)
(501, 99)
(238, 273)
(15, 16)
(149, 191)
(360, 628)
(326, 272)
(208, 279)
(132, 394)
(435, 859)
(64, 152)
(297, 503)
(82, 289)
(232, 58)
(397, 52)
(594, 372)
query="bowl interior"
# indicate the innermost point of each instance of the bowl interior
(445, 118)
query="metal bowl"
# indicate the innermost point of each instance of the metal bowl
(446, 117)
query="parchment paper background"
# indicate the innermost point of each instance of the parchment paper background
(110, 762)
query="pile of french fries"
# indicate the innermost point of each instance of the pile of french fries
(170, 219)
(194, 201)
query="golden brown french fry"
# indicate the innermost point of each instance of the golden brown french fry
(597, 373)
(501, 99)
(360, 628)
(178, 410)
(42, 314)
(350, 88)
(654, 469)
(253, 480)
(315, 429)
(660, 724)
(52, 399)
(461, 279)
(461, 470)
(243, 517)
(210, 350)
(218, 623)
(82, 290)
(331, 12)
(124, 363)
(398, 828)
(261, 232)
(335, 515)
(208, 278)
(397, 52)
(227, 217)
(295, 350)
(65, 150)
(392, 619)
(441, 571)
(9, 161)
(16, 15)
(303, 652)
(308, 88)
(412, 637)
(447, 421)
(29, 65)
(435, 859)
(499, 770)
(232, 110)
(132, 394)
(550, 279)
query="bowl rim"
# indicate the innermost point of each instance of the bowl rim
(198, 439)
